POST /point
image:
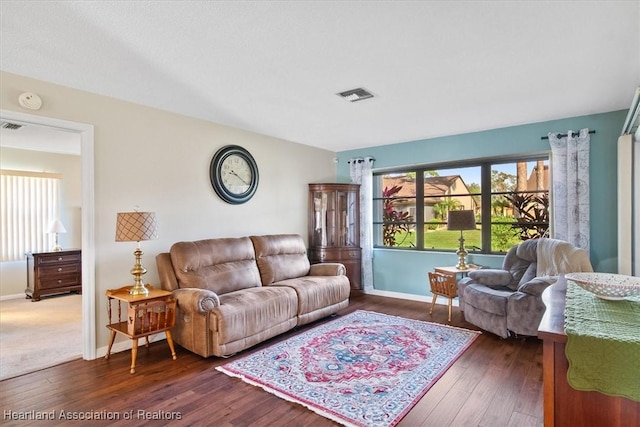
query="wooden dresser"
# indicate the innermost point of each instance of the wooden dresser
(563, 405)
(53, 273)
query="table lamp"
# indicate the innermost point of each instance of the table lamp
(135, 227)
(461, 220)
(55, 228)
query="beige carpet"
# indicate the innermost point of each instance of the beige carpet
(37, 335)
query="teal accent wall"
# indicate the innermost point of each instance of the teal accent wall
(405, 271)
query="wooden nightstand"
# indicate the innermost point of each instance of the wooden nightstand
(53, 273)
(143, 316)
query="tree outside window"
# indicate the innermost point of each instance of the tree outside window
(397, 224)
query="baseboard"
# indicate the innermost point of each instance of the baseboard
(410, 297)
(126, 344)
(14, 296)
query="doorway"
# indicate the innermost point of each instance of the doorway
(85, 132)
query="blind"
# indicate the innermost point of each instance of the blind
(29, 202)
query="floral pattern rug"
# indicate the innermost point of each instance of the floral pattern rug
(361, 369)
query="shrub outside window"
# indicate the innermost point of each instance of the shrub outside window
(411, 205)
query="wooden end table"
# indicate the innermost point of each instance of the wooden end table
(144, 315)
(443, 283)
(453, 271)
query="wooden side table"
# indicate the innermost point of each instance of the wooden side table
(144, 316)
(453, 271)
(444, 281)
(444, 285)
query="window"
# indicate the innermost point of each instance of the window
(28, 204)
(411, 205)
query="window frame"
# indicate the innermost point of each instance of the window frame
(485, 195)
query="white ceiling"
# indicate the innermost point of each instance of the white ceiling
(436, 67)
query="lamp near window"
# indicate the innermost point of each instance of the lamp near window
(461, 220)
(135, 227)
(56, 228)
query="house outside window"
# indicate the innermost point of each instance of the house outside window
(411, 205)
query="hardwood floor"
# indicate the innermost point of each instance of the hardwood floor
(495, 382)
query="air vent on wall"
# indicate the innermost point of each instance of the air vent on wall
(10, 126)
(354, 95)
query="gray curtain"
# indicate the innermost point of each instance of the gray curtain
(570, 187)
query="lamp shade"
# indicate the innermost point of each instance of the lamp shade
(461, 220)
(136, 226)
(56, 227)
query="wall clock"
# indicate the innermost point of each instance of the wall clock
(234, 174)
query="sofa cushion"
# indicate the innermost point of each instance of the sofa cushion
(316, 292)
(529, 274)
(518, 262)
(528, 250)
(490, 300)
(249, 312)
(220, 265)
(280, 257)
(491, 277)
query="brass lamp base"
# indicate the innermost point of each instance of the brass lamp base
(56, 246)
(462, 264)
(462, 255)
(136, 291)
(138, 271)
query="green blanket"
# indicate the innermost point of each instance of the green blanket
(603, 343)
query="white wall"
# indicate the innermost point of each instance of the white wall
(14, 276)
(159, 161)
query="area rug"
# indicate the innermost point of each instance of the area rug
(362, 369)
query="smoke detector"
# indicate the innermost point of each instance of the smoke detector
(354, 95)
(30, 100)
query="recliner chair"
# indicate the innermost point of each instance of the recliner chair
(508, 300)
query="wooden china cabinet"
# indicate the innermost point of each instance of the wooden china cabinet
(334, 227)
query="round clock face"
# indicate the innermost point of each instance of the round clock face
(234, 174)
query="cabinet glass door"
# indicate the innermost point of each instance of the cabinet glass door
(352, 220)
(324, 218)
(333, 220)
(346, 218)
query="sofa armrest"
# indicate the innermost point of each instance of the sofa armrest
(196, 300)
(491, 277)
(328, 269)
(534, 286)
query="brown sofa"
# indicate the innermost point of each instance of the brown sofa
(234, 293)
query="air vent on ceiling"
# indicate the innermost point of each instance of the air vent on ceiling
(10, 126)
(354, 95)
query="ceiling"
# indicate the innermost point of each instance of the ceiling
(435, 67)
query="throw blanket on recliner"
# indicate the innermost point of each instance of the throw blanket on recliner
(557, 257)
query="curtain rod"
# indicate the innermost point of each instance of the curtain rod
(361, 160)
(562, 135)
